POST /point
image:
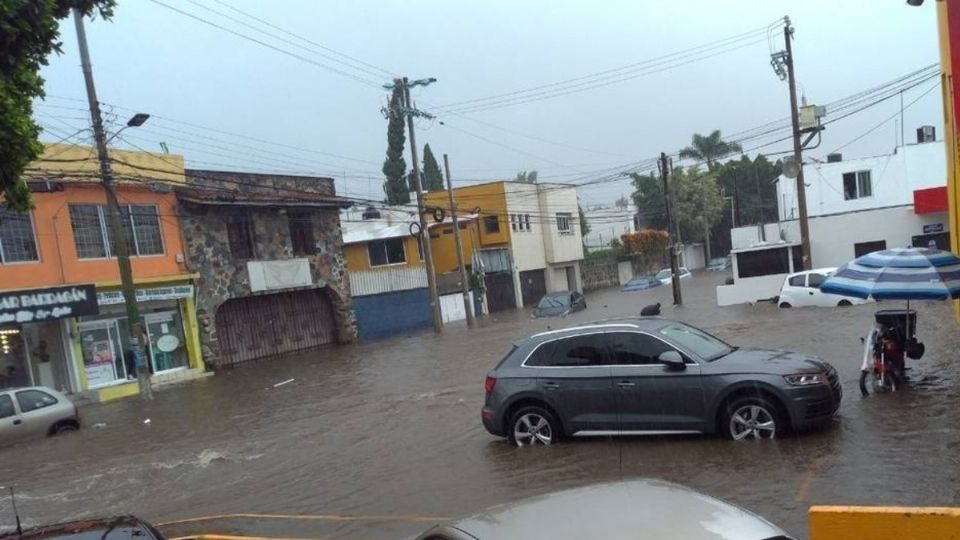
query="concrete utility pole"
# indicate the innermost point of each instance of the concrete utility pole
(671, 230)
(465, 284)
(797, 146)
(113, 207)
(424, 232)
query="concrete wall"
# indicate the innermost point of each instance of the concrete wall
(527, 247)
(771, 233)
(388, 314)
(599, 273)
(693, 257)
(894, 178)
(451, 307)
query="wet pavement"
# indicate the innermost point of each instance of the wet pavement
(380, 440)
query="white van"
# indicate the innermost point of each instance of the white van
(802, 289)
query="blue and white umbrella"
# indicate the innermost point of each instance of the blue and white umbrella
(899, 274)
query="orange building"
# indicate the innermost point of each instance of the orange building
(62, 318)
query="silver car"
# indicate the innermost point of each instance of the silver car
(36, 411)
(634, 510)
(652, 376)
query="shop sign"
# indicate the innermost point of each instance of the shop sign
(172, 292)
(47, 304)
(933, 228)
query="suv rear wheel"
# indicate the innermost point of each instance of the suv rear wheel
(752, 417)
(530, 426)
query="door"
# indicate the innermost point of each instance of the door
(500, 291)
(650, 396)
(817, 298)
(166, 345)
(103, 358)
(37, 411)
(794, 291)
(533, 285)
(574, 378)
(11, 425)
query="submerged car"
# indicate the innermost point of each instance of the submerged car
(666, 275)
(802, 289)
(559, 304)
(638, 376)
(33, 412)
(634, 509)
(641, 283)
(718, 264)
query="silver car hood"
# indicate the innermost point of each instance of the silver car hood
(634, 510)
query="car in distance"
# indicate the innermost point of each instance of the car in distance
(666, 275)
(635, 509)
(641, 283)
(802, 289)
(114, 528)
(559, 304)
(637, 376)
(35, 411)
(718, 264)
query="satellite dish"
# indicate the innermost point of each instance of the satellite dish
(791, 169)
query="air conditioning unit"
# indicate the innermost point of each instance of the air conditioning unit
(926, 134)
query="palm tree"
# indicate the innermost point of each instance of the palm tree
(709, 149)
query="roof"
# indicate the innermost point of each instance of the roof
(355, 233)
(114, 528)
(225, 197)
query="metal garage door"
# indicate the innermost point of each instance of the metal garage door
(533, 285)
(500, 292)
(261, 326)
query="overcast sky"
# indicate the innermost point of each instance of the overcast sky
(152, 59)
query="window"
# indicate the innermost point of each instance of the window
(17, 240)
(31, 400)
(6, 407)
(797, 281)
(816, 280)
(491, 224)
(634, 349)
(240, 235)
(383, 252)
(513, 222)
(579, 351)
(301, 233)
(857, 185)
(763, 262)
(526, 221)
(563, 222)
(697, 341)
(93, 235)
(861, 249)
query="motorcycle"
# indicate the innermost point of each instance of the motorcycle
(892, 338)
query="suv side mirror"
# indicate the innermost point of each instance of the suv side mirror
(672, 360)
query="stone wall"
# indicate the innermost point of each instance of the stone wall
(224, 277)
(599, 273)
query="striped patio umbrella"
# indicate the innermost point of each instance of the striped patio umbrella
(899, 274)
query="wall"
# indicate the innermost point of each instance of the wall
(527, 247)
(82, 161)
(832, 237)
(443, 245)
(750, 290)
(750, 236)
(358, 258)
(58, 255)
(556, 198)
(388, 314)
(692, 256)
(489, 198)
(599, 273)
(451, 307)
(894, 178)
(395, 278)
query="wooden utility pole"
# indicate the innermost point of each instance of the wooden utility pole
(797, 153)
(464, 279)
(421, 211)
(122, 251)
(671, 230)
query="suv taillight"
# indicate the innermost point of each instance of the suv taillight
(489, 384)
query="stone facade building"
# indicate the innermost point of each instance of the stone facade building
(269, 253)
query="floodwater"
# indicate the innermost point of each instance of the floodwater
(377, 441)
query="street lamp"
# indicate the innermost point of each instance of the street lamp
(136, 120)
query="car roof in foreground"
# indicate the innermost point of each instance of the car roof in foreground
(114, 528)
(634, 509)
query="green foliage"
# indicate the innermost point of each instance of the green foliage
(696, 200)
(432, 177)
(709, 149)
(584, 224)
(29, 32)
(526, 177)
(751, 184)
(604, 253)
(394, 166)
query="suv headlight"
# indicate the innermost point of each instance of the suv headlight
(805, 379)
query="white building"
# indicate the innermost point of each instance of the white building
(608, 222)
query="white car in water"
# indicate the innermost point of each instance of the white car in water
(802, 289)
(666, 276)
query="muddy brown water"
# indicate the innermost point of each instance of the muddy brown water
(392, 429)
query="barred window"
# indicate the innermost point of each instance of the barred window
(17, 240)
(146, 227)
(88, 234)
(93, 235)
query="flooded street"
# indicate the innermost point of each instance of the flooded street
(377, 441)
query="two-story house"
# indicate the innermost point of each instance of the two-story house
(62, 317)
(268, 253)
(529, 239)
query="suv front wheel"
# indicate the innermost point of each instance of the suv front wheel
(530, 426)
(752, 417)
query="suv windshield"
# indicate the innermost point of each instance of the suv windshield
(700, 343)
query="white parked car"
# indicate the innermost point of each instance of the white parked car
(666, 276)
(802, 289)
(34, 412)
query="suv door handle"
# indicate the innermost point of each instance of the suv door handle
(551, 385)
(626, 384)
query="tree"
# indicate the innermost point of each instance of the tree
(709, 149)
(30, 32)
(750, 184)
(432, 177)
(394, 166)
(696, 201)
(526, 177)
(584, 224)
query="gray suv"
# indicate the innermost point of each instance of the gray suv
(652, 376)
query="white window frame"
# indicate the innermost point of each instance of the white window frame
(565, 222)
(858, 177)
(134, 250)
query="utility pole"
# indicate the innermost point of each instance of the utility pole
(465, 284)
(113, 209)
(421, 211)
(797, 153)
(671, 230)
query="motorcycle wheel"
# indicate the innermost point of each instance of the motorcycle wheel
(877, 382)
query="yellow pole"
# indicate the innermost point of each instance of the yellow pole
(949, 119)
